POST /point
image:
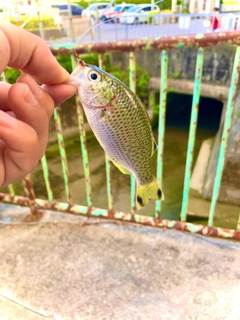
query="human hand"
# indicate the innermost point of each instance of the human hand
(25, 107)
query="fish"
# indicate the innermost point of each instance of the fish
(121, 125)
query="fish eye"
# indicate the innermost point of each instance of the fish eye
(94, 76)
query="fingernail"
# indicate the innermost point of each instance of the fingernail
(6, 120)
(29, 97)
(33, 86)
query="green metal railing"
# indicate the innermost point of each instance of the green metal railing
(163, 44)
(192, 131)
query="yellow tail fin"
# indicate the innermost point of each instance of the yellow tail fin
(148, 192)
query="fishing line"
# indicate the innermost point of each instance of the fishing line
(96, 25)
(85, 32)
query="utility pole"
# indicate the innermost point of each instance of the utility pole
(152, 4)
(40, 22)
(71, 21)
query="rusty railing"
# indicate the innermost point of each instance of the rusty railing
(199, 42)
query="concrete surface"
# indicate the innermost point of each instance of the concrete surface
(201, 165)
(74, 270)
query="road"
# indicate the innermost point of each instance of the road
(116, 31)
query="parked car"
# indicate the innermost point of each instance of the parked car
(138, 14)
(116, 11)
(96, 10)
(63, 8)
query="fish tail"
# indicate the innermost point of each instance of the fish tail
(147, 192)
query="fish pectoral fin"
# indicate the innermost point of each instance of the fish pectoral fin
(121, 168)
(102, 114)
(147, 192)
(154, 146)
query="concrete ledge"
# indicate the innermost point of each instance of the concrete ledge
(186, 87)
(106, 271)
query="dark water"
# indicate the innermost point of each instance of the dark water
(175, 149)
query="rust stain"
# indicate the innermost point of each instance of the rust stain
(189, 41)
(138, 219)
(35, 215)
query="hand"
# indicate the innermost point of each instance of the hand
(25, 107)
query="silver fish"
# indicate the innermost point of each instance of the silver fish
(121, 125)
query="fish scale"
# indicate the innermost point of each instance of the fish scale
(121, 125)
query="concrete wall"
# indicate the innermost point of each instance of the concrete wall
(230, 187)
(217, 68)
(197, 6)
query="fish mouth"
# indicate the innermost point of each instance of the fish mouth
(107, 106)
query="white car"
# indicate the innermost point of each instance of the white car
(116, 12)
(96, 10)
(139, 14)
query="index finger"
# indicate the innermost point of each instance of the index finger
(22, 50)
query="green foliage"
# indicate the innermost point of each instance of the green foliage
(165, 5)
(185, 10)
(176, 75)
(65, 62)
(119, 74)
(33, 24)
(154, 105)
(90, 58)
(142, 85)
(12, 75)
(142, 80)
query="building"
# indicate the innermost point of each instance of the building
(206, 6)
(230, 5)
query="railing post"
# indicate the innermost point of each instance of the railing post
(132, 85)
(116, 29)
(11, 190)
(83, 144)
(161, 124)
(126, 30)
(108, 162)
(192, 132)
(238, 225)
(70, 20)
(225, 134)
(28, 187)
(62, 154)
(46, 177)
